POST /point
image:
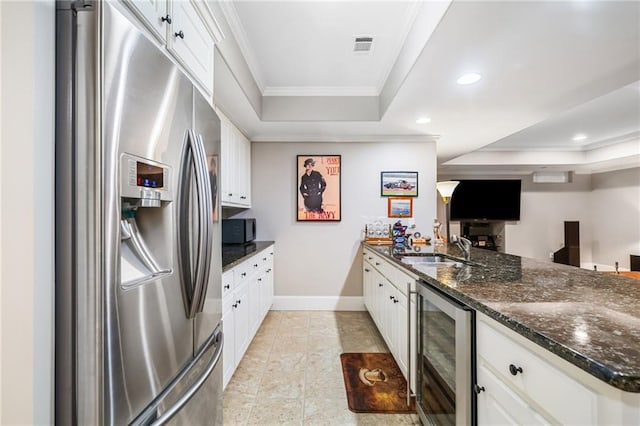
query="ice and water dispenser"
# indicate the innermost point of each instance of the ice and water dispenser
(146, 224)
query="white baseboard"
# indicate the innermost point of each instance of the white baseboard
(318, 303)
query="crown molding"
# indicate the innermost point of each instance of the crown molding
(237, 29)
(212, 25)
(320, 91)
(354, 138)
(410, 18)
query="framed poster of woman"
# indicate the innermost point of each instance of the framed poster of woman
(318, 183)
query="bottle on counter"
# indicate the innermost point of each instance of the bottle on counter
(437, 237)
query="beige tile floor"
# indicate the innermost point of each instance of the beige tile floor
(291, 373)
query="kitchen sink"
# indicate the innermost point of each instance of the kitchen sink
(428, 260)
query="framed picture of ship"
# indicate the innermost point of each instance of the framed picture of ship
(318, 188)
(400, 207)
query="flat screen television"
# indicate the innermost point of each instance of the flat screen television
(486, 200)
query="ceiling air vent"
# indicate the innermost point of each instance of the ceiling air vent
(363, 44)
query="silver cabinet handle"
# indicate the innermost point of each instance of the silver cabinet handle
(179, 34)
(166, 19)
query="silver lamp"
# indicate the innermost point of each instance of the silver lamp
(446, 189)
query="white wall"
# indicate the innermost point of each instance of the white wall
(543, 210)
(26, 212)
(615, 208)
(607, 205)
(322, 258)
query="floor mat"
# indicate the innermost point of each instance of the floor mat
(374, 384)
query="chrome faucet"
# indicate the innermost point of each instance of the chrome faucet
(464, 244)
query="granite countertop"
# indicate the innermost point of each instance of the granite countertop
(589, 318)
(234, 254)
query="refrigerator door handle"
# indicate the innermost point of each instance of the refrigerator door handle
(195, 286)
(206, 209)
(216, 338)
(191, 278)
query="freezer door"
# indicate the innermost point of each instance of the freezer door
(207, 127)
(195, 396)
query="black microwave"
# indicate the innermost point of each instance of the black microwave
(238, 231)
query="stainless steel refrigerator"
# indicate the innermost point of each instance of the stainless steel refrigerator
(138, 262)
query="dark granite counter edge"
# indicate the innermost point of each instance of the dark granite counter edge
(260, 246)
(602, 372)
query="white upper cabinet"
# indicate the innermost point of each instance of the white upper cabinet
(191, 43)
(153, 13)
(189, 32)
(235, 184)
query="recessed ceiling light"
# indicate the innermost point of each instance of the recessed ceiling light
(469, 78)
(579, 137)
(423, 120)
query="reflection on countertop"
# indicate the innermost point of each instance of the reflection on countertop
(589, 318)
(234, 254)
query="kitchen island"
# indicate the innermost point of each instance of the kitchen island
(576, 320)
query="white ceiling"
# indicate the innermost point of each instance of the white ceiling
(550, 70)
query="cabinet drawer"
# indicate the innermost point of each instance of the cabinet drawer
(242, 272)
(562, 397)
(380, 264)
(228, 284)
(400, 279)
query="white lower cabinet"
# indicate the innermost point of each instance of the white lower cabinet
(520, 387)
(498, 404)
(247, 291)
(385, 297)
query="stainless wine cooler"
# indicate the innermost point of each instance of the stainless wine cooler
(445, 360)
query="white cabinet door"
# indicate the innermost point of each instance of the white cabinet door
(254, 297)
(236, 165)
(153, 14)
(227, 164)
(191, 43)
(241, 306)
(270, 282)
(401, 332)
(389, 319)
(367, 291)
(265, 283)
(499, 405)
(229, 361)
(244, 169)
(378, 291)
